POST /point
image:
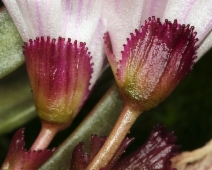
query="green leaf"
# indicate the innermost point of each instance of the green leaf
(11, 55)
(100, 121)
(16, 101)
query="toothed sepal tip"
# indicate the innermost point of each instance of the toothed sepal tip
(60, 72)
(154, 60)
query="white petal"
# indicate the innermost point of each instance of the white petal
(153, 8)
(36, 18)
(98, 54)
(69, 19)
(17, 17)
(80, 19)
(197, 13)
(121, 18)
(205, 46)
(75, 19)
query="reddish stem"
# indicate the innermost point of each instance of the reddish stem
(122, 127)
(44, 138)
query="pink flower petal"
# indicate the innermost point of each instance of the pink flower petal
(121, 18)
(75, 19)
(153, 8)
(109, 51)
(194, 12)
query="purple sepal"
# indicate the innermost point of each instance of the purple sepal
(19, 158)
(155, 59)
(155, 154)
(60, 72)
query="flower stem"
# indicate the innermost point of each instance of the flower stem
(104, 115)
(44, 138)
(122, 127)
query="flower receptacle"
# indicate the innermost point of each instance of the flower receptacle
(60, 72)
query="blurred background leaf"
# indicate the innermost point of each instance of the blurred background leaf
(16, 106)
(11, 55)
(16, 101)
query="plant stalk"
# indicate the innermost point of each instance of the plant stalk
(44, 138)
(122, 127)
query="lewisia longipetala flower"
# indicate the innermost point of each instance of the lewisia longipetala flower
(64, 56)
(121, 21)
(157, 54)
(155, 57)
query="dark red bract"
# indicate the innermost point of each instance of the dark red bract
(19, 158)
(155, 154)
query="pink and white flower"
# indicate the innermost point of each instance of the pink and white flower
(123, 17)
(62, 70)
(146, 72)
(155, 57)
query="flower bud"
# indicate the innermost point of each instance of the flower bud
(60, 70)
(154, 60)
(60, 73)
